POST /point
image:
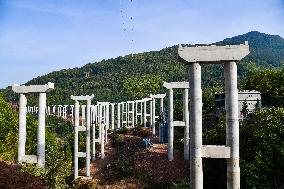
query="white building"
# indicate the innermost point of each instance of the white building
(251, 97)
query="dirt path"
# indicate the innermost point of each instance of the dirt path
(155, 162)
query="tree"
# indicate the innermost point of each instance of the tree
(245, 110)
(257, 105)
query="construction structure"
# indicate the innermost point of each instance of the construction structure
(228, 56)
(84, 127)
(184, 123)
(23, 91)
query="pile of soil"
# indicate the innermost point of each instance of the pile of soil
(11, 178)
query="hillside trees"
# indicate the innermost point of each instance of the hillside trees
(271, 85)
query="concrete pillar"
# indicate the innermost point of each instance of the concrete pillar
(47, 110)
(133, 114)
(151, 111)
(41, 130)
(76, 138)
(171, 126)
(196, 173)
(64, 111)
(93, 123)
(118, 115)
(162, 105)
(112, 116)
(72, 113)
(186, 120)
(22, 126)
(102, 129)
(106, 122)
(59, 111)
(153, 116)
(145, 113)
(88, 142)
(54, 109)
(83, 115)
(232, 129)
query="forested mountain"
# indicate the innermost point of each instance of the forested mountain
(114, 79)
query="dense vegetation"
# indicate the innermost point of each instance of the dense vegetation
(58, 152)
(261, 151)
(112, 79)
(271, 85)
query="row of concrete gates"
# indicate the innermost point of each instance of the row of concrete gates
(131, 113)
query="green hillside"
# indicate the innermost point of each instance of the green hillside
(112, 79)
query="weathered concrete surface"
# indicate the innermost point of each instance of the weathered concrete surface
(196, 172)
(176, 85)
(213, 54)
(171, 126)
(228, 55)
(232, 120)
(22, 126)
(41, 130)
(33, 88)
(42, 89)
(214, 151)
(186, 124)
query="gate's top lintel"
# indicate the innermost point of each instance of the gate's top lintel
(87, 97)
(176, 85)
(33, 88)
(213, 54)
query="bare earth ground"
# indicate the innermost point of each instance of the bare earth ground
(152, 161)
(11, 178)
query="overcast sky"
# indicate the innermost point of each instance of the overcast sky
(40, 36)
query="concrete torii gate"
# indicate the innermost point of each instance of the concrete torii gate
(229, 56)
(82, 127)
(23, 90)
(153, 113)
(184, 122)
(145, 114)
(139, 113)
(130, 114)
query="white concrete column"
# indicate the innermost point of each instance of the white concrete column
(54, 109)
(59, 110)
(112, 116)
(162, 105)
(136, 111)
(83, 115)
(118, 115)
(186, 120)
(145, 113)
(102, 129)
(94, 112)
(141, 116)
(106, 122)
(133, 114)
(232, 129)
(41, 130)
(22, 126)
(196, 173)
(47, 110)
(72, 112)
(171, 126)
(64, 111)
(122, 114)
(76, 138)
(88, 140)
(153, 116)
(151, 112)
